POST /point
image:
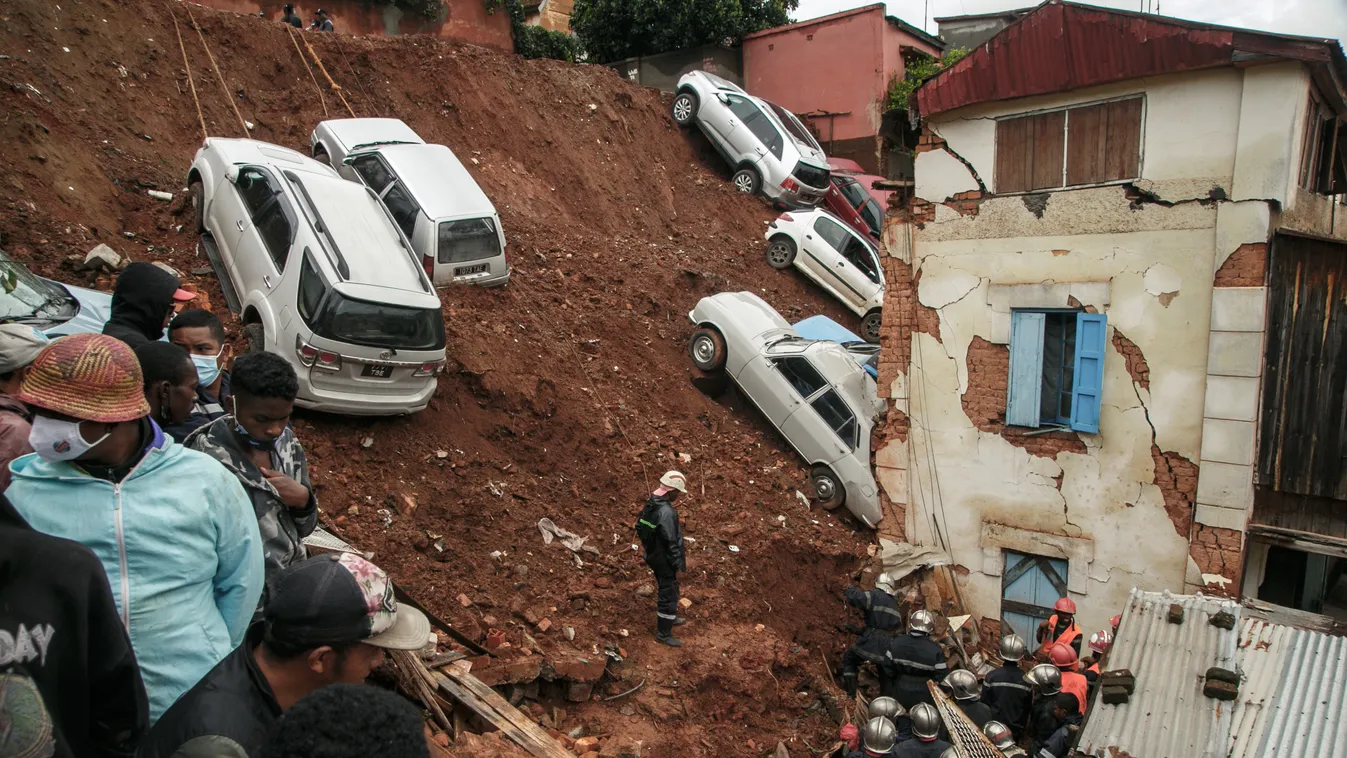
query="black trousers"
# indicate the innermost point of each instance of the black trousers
(666, 601)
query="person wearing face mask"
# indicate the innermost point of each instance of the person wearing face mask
(19, 345)
(143, 301)
(258, 447)
(170, 381)
(202, 335)
(174, 531)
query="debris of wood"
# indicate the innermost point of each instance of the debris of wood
(491, 707)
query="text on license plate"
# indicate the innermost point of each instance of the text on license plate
(478, 269)
(378, 370)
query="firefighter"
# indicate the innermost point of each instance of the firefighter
(1059, 629)
(917, 659)
(1004, 740)
(1066, 709)
(926, 731)
(1100, 642)
(662, 535)
(877, 739)
(1043, 722)
(893, 711)
(1005, 689)
(1064, 658)
(881, 620)
(964, 686)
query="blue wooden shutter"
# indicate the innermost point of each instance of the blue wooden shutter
(1089, 375)
(1026, 369)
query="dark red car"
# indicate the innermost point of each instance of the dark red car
(850, 198)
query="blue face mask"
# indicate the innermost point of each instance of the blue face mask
(207, 368)
(251, 441)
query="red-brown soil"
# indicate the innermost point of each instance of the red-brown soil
(568, 391)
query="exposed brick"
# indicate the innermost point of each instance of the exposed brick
(1137, 367)
(903, 314)
(1218, 551)
(1176, 477)
(985, 403)
(1244, 268)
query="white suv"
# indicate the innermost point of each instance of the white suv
(319, 273)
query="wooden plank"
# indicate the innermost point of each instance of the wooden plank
(1058, 583)
(1014, 154)
(1123, 154)
(487, 703)
(1086, 140)
(1049, 146)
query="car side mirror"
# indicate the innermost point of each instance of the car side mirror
(722, 97)
(232, 173)
(861, 348)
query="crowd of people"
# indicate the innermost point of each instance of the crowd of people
(187, 618)
(1033, 701)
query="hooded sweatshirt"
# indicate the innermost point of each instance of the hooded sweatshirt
(140, 301)
(66, 657)
(179, 543)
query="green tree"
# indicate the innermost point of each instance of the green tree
(918, 69)
(611, 30)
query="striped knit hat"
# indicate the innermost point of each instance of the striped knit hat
(91, 377)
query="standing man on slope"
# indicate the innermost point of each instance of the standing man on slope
(662, 535)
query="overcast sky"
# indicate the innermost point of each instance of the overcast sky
(1316, 18)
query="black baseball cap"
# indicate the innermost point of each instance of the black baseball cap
(340, 598)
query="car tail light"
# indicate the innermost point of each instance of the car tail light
(428, 263)
(307, 353)
(429, 368)
(790, 185)
(328, 360)
(784, 217)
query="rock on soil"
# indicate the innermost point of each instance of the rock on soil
(616, 222)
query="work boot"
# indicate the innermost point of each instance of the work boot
(849, 684)
(679, 621)
(664, 633)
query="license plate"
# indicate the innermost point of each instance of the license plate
(480, 268)
(378, 370)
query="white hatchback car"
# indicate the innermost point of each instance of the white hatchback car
(814, 392)
(836, 257)
(451, 223)
(319, 273)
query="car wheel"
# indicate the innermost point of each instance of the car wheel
(828, 489)
(198, 206)
(255, 335)
(747, 181)
(780, 252)
(870, 326)
(684, 108)
(320, 155)
(707, 349)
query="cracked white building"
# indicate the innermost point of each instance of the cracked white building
(1075, 316)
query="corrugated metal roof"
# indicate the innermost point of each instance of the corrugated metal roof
(1167, 715)
(1292, 693)
(1062, 46)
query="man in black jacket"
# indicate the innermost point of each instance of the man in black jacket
(142, 303)
(290, 17)
(69, 684)
(882, 619)
(326, 621)
(1005, 689)
(918, 659)
(662, 536)
(1066, 710)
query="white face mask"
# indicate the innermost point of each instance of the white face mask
(56, 440)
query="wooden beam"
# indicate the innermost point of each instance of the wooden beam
(496, 710)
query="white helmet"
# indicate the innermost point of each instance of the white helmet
(921, 622)
(887, 707)
(885, 583)
(880, 735)
(999, 734)
(1012, 647)
(675, 480)
(963, 684)
(925, 721)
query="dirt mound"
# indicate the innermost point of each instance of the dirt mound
(568, 391)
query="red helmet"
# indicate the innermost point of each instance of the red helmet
(1101, 640)
(1115, 621)
(1063, 657)
(1065, 605)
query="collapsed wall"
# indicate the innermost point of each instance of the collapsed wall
(568, 391)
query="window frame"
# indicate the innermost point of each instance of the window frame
(841, 227)
(854, 422)
(396, 184)
(1066, 144)
(1024, 388)
(376, 158)
(824, 386)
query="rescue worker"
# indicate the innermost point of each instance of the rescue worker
(1066, 709)
(877, 739)
(967, 691)
(1059, 629)
(662, 535)
(893, 711)
(1100, 642)
(290, 17)
(1005, 688)
(1064, 658)
(1047, 681)
(1004, 740)
(917, 659)
(926, 729)
(143, 300)
(881, 620)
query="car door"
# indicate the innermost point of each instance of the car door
(769, 386)
(732, 130)
(859, 270)
(828, 249)
(268, 240)
(372, 170)
(232, 212)
(840, 205)
(823, 428)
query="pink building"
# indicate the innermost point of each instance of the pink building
(833, 71)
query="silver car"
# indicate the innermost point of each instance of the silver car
(814, 392)
(771, 152)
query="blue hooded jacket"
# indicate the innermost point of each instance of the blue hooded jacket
(180, 545)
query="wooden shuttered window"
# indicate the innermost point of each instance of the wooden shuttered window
(1089, 144)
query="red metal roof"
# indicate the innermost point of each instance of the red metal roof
(1062, 46)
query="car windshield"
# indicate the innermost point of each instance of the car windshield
(793, 125)
(874, 217)
(27, 298)
(379, 324)
(468, 240)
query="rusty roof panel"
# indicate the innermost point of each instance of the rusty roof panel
(1293, 693)
(1063, 46)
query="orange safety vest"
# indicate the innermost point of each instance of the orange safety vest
(1077, 685)
(1094, 667)
(1067, 637)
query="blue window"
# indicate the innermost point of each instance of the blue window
(1056, 369)
(1030, 585)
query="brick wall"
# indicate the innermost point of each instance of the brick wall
(1137, 367)
(1245, 267)
(1176, 477)
(1218, 551)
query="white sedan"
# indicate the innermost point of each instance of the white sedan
(836, 257)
